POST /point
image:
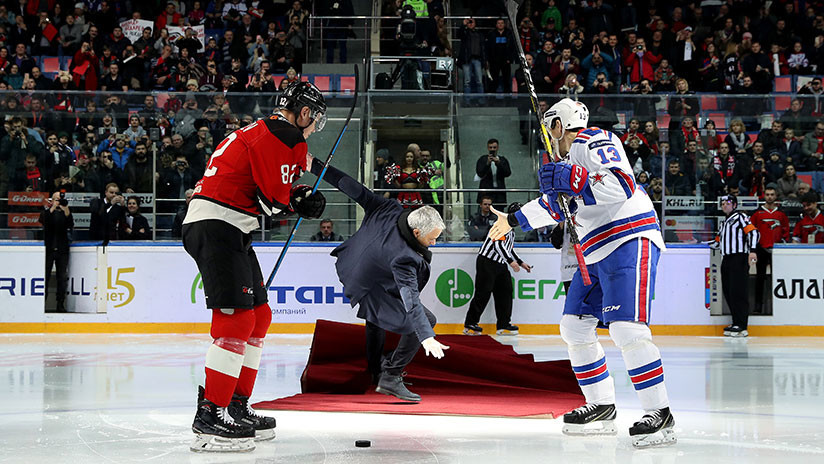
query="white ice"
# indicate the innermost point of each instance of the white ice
(130, 398)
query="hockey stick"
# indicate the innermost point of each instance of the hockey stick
(317, 182)
(512, 11)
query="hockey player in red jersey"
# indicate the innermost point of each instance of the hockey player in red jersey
(250, 172)
(773, 227)
(810, 229)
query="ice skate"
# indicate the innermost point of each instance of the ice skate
(737, 331)
(654, 429)
(508, 330)
(242, 413)
(727, 329)
(216, 431)
(473, 329)
(590, 419)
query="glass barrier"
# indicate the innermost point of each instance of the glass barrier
(155, 146)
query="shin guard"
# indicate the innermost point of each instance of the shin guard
(254, 350)
(224, 359)
(643, 361)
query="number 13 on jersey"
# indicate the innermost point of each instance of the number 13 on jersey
(615, 156)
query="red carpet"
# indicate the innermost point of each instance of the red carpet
(478, 376)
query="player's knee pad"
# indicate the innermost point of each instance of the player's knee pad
(628, 335)
(237, 325)
(263, 319)
(576, 330)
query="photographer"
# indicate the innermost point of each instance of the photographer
(117, 146)
(177, 179)
(107, 214)
(135, 226)
(757, 180)
(18, 143)
(492, 170)
(57, 223)
(640, 63)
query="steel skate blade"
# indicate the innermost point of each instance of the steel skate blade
(214, 444)
(663, 437)
(603, 427)
(264, 435)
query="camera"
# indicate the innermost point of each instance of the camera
(180, 164)
(758, 165)
(154, 134)
(63, 201)
(638, 48)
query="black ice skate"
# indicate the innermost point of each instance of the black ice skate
(727, 330)
(654, 429)
(216, 431)
(590, 419)
(242, 413)
(393, 385)
(508, 330)
(473, 329)
(737, 331)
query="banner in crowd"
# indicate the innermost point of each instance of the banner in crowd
(683, 203)
(133, 28)
(24, 220)
(176, 33)
(28, 198)
(798, 285)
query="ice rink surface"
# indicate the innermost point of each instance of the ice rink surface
(78, 398)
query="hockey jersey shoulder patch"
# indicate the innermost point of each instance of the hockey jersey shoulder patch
(288, 134)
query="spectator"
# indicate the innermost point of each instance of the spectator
(564, 65)
(177, 179)
(18, 143)
(788, 184)
(710, 138)
(773, 227)
(664, 77)
(709, 184)
(686, 54)
(57, 223)
(638, 154)
(656, 195)
(282, 53)
(737, 138)
(169, 17)
(139, 173)
(107, 215)
(336, 30)
(298, 10)
(778, 61)
(471, 56)
(530, 39)
(571, 88)
(652, 135)
(500, 49)
(789, 148)
(117, 42)
(113, 81)
(594, 64)
(134, 132)
(296, 36)
(640, 63)
(119, 148)
(758, 178)
(677, 183)
(812, 94)
(644, 105)
(771, 138)
(757, 65)
(812, 149)
(775, 166)
(797, 61)
(84, 67)
(810, 229)
(177, 225)
(491, 170)
(709, 70)
(750, 105)
(795, 118)
(681, 137)
(732, 67)
(326, 232)
(683, 104)
(58, 157)
(70, 36)
(480, 222)
(737, 240)
(135, 226)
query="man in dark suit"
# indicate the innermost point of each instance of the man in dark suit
(492, 170)
(383, 268)
(107, 215)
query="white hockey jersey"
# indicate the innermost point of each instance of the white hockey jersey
(612, 209)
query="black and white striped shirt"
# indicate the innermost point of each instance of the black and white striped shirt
(737, 235)
(500, 251)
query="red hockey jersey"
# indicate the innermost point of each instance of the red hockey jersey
(773, 226)
(251, 170)
(809, 229)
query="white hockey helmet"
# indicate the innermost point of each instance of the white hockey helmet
(572, 114)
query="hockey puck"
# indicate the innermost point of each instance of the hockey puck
(363, 443)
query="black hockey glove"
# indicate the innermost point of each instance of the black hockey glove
(556, 237)
(306, 204)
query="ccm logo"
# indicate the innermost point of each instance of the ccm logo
(611, 308)
(577, 178)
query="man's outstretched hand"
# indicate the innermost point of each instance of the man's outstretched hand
(433, 347)
(501, 226)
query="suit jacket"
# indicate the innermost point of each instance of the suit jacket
(484, 171)
(105, 221)
(56, 226)
(138, 222)
(382, 266)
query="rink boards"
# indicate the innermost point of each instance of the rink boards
(156, 288)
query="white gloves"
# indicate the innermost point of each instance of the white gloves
(433, 348)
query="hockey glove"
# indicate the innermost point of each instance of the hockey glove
(562, 178)
(551, 204)
(556, 237)
(306, 204)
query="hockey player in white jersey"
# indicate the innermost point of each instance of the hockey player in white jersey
(621, 242)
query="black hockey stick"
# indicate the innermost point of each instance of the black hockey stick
(317, 182)
(512, 11)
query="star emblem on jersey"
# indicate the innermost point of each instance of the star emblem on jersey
(596, 179)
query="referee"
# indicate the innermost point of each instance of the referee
(737, 241)
(492, 278)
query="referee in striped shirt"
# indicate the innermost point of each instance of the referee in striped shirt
(492, 278)
(737, 241)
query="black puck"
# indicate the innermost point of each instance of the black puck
(363, 443)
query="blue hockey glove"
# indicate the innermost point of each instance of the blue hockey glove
(553, 207)
(562, 178)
